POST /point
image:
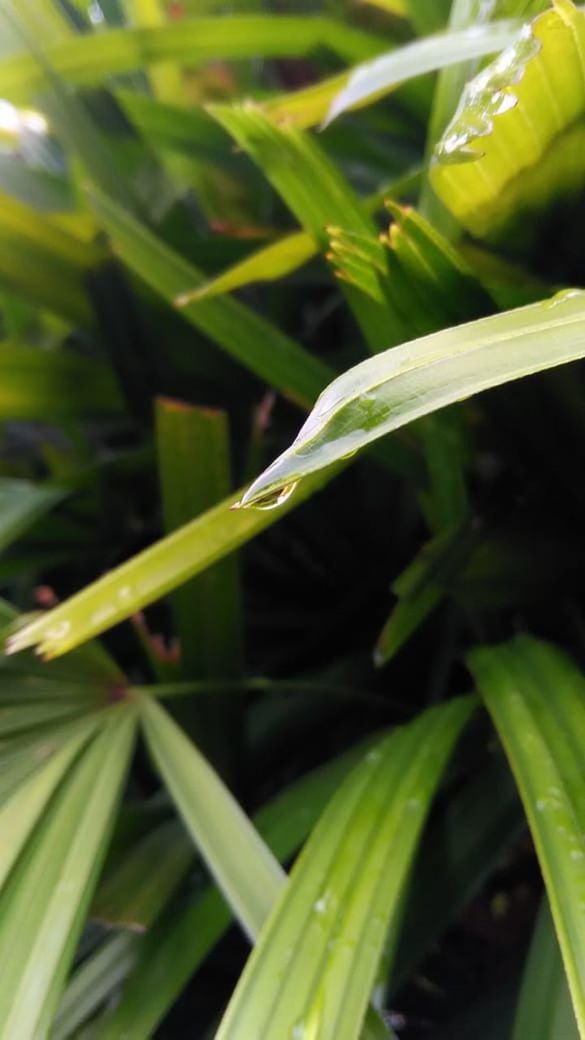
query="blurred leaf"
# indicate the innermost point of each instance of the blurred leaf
(22, 503)
(246, 872)
(92, 58)
(512, 144)
(374, 79)
(428, 15)
(44, 903)
(536, 697)
(53, 385)
(248, 337)
(165, 78)
(544, 1009)
(405, 383)
(314, 966)
(134, 891)
(92, 983)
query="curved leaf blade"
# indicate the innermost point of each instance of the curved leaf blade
(404, 383)
(374, 79)
(544, 1009)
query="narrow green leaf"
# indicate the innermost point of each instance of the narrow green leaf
(385, 392)
(20, 812)
(149, 575)
(173, 951)
(421, 587)
(245, 870)
(313, 969)
(544, 1009)
(374, 79)
(165, 78)
(195, 473)
(134, 892)
(94, 57)
(536, 697)
(92, 983)
(43, 905)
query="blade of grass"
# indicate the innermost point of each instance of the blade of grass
(536, 698)
(93, 982)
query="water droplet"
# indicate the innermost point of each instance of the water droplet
(298, 1032)
(323, 903)
(124, 593)
(541, 805)
(374, 755)
(59, 631)
(274, 499)
(576, 854)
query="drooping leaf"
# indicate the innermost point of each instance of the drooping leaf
(314, 967)
(536, 697)
(404, 383)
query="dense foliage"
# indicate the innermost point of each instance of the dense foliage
(220, 224)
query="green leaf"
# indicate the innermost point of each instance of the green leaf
(544, 1009)
(43, 905)
(245, 870)
(510, 148)
(313, 969)
(173, 950)
(149, 575)
(22, 502)
(421, 587)
(93, 982)
(385, 392)
(134, 892)
(195, 473)
(94, 57)
(52, 385)
(375, 79)
(20, 812)
(536, 698)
